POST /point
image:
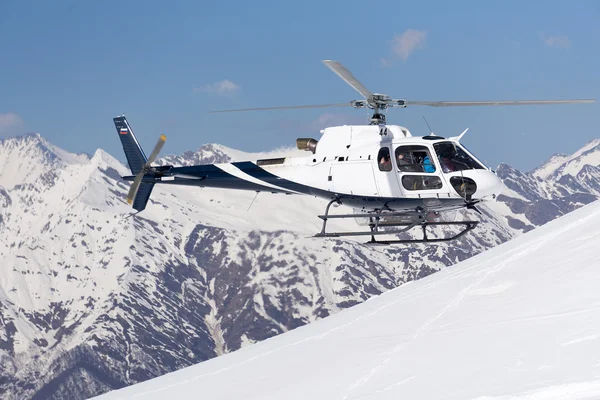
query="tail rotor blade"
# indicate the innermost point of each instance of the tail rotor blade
(135, 186)
(157, 149)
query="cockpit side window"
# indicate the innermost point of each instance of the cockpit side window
(453, 157)
(384, 160)
(414, 159)
(415, 163)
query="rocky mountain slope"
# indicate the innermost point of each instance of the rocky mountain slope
(93, 298)
(559, 186)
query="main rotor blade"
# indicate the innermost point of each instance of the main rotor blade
(157, 149)
(347, 76)
(495, 103)
(134, 187)
(284, 107)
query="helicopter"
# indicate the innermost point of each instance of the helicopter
(392, 180)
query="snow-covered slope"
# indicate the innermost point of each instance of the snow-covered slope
(93, 299)
(518, 321)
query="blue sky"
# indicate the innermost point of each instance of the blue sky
(68, 67)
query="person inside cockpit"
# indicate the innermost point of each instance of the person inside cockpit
(428, 165)
(453, 158)
(385, 163)
(446, 162)
(404, 162)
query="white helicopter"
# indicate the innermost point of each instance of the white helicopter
(391, 179)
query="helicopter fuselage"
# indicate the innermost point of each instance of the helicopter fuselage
(367, 167)
(377, 169)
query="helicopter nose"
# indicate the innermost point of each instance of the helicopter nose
(480, 185)
(489, 186)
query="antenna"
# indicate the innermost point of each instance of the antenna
(430, 130)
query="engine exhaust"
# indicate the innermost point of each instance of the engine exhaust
(307, 144)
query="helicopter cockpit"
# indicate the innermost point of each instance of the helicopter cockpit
(453, 157)
(420, 166)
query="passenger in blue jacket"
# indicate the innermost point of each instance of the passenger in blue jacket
(427, 165)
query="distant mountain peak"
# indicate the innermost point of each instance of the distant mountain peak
(561, 164)
(25, 158)
(547, 168)
(213, 153)
(504, 170)
(210, 153)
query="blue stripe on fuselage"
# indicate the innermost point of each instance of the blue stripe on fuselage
(259, 173)
(213, 176)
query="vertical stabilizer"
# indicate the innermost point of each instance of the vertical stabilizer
(133, 151)
(140, 193)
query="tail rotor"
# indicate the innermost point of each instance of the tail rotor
(145, 169)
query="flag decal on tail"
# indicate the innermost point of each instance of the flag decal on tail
(123, 131)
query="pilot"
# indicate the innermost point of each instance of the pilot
(446, 162)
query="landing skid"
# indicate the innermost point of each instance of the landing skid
(419, 219)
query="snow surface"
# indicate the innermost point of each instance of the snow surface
(519, 321)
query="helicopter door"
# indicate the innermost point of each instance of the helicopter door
(353, 177)
(385, 178)
(417, 172)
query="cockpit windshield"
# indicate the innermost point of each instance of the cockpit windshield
(453, 157)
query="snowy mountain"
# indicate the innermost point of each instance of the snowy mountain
(559, 186)
(519, 321)
(93, 299)
(215, 153)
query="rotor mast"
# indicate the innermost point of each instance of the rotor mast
(375, 101)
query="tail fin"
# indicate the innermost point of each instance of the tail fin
(136, 160)
(134, 153)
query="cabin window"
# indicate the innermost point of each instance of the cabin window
(414, 159)
(453, 157)
(384, 160)
(421, 182)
